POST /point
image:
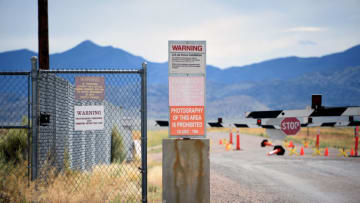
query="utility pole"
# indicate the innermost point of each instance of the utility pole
(43, 34)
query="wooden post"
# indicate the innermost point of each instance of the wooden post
(43, 34)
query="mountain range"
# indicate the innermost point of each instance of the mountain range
(281, 83)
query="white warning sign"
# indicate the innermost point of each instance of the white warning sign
(187, 57)
(88, 118)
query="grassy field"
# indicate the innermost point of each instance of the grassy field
(104, 183)
(154, 144)
(155, 137)
(329, 137)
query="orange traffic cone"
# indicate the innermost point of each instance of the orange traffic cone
(228, 147)
(278, 150)
(306, 144)
(326, 153)
(291, 145)
(266, 143)
(352, 153)
(302, 151)
(220, 142)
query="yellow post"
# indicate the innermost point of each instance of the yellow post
(317, 151)
(293, 151)
(342, 152)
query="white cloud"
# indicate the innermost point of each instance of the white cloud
(237, 32)
(307, 42)
(306, 29)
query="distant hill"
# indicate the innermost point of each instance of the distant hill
(273, 84)
(18, 60)
(290, 67)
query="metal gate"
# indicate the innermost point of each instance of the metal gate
(89, 138)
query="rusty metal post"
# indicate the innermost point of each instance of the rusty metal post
(186, 170)
(43, 32)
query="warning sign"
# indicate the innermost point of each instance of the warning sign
(187, 57)
(187, 61)
(88, 118)
(186, 120)
(89, 88)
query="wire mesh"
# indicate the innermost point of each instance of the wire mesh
(14, 133)
(89, 143)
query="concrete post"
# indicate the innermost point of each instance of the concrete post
(186, 170)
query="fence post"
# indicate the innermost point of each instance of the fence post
(144, 131)
(29, 128)
(34, 119)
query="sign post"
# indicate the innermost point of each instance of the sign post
(290, 126)
(187, 73)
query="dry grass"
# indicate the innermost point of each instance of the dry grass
(215, 130)
(253, 131)
(122, 182)
(155, 184)
(329, 137)
(115, 182)
(14, 183)
(136, 134)
(104, 183)
(155, 137)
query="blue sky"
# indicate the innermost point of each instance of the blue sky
(237, 32)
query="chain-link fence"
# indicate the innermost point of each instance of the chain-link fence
(14, 132)
(89, 138)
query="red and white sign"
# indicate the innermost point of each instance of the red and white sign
(290, 126)
(187, 62)
(88, 118)
(186, 101)
(187, 120)
(187, 57)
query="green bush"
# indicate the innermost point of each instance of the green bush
(14, 144)
(117, 146)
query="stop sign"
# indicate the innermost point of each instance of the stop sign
(290, 126)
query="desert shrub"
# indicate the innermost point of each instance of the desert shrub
(13, 163)
(117, 146)
(14, 144)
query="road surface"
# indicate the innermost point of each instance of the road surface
(249, 175)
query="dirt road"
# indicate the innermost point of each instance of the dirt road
(251, 176)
